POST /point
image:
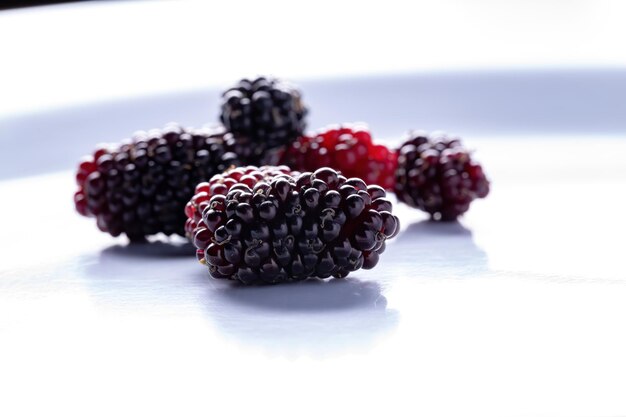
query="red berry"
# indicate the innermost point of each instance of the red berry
(347, 148)
(437, 175)
(80, 203)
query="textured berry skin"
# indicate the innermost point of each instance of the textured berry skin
(220, 184)
(267, 110)
(274, 226)
(140, 186)
(437, 174)
(347, 148)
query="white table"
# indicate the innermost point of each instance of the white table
(518, 310)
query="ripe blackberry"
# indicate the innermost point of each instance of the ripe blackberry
(272, 227)
(140, 186)
(267, 110)
(220, 184)
(436, 174)
(347, 148)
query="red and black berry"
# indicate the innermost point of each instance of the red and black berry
(140, 186)
(270, 225)
(437, 175)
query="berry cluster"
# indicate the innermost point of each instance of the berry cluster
(268, 225)
(140, 186)
(347, 148)
(437, 175)
(273, 224)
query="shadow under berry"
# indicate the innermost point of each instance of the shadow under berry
(439, 249)
(159, 277)
(309, 295)
(172, 248)
(313, 317)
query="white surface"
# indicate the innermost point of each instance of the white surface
(517, 311)
(70, 54)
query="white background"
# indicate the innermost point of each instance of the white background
(70, 54)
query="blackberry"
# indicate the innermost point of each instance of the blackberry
(274, 226)
(140, 186)
(347, 148)
(267, 110)
(437, 174)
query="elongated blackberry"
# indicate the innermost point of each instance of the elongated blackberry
(347, 148)
(267, 110)
(140, 186)
(274, 226)
(437, 174)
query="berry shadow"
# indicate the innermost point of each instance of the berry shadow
(156, 277)
(152, 249)
(313, 318)
(440, 248)
(309, 295)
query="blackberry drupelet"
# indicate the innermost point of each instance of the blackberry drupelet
(347, 148)
(437, 174)
(267, 110)
(140, 186)
(220, 184)
(273, 226)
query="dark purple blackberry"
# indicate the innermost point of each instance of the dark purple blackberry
(277, 228)
(140, 186)
(248, 151)
(267, 110)
(436, 174)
